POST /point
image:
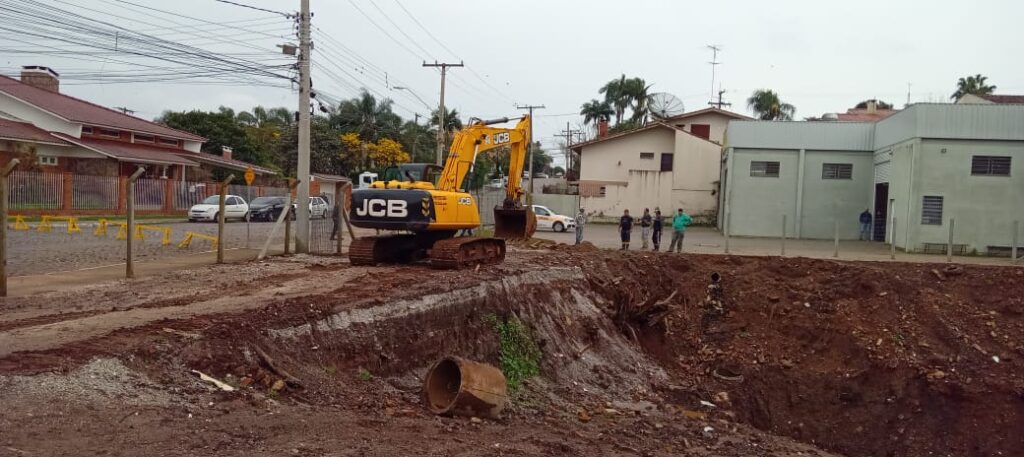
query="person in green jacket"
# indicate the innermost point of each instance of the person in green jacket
(679, 223)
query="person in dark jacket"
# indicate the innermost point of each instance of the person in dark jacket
(865, 225)
(625, 227)
(645, 227)
(659, 221)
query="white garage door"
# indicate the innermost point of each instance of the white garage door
(882, 171)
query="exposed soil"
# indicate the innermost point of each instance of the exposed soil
(807, 357)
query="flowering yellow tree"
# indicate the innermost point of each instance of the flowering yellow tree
(387, 152)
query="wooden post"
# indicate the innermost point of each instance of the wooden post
(221, 218)
(949, 244)
(783, 235)
(8, 169)
(892, 241)
(1013, 246)
(129, 266)
(835, 253)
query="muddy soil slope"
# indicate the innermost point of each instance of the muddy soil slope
(804, 358)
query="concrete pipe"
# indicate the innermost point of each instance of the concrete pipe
(458, 386)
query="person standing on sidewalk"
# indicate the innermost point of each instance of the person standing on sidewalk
(581, 220)
(659, 222)
(625, 227)
(679, 223)
(865, 225)
(645, 227)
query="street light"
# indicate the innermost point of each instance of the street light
(414, 95)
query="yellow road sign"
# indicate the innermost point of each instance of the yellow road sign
(250, 175)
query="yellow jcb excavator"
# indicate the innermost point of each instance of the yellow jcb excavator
(427, 205)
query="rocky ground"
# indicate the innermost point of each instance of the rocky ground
(639, 357)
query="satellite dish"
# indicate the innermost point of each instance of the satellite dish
(664, 105)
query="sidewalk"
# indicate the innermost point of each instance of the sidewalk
(706, 240)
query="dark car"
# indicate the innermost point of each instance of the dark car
(267, 208)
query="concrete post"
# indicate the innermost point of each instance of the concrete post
(835, 253)
(1013, 246)
(783, 234)
(798, 221)
(287, 218)
(129, 266)
(725, 225)
(8, 169)
(949, 244)
(221, 217)
(892, 240)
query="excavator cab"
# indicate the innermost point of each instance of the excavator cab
(412, 172)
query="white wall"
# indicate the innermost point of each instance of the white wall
(826, 201)
(717, 122)
(612, 160)
(757, 204)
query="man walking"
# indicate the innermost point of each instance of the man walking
(659, 221)
(679, 223)
(645, 227)
(865, 225)
(581, 220)
(625, 227)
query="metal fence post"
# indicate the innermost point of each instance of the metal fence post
(949, 244)
(835, 253)
(3, 230)
(221, 217)
(1013, 246)
(892, 240)
(129, 266)
(783, 234)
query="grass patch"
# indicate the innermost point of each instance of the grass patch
(364, 375)
(520, 355)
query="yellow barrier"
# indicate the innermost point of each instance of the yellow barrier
(19, 223)
(190, 235)
(141, 229)
(46, 226)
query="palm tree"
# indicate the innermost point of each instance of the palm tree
(766, 106)
(616, 96)
(972, 85)
(596, 111)
(636, 89)
(370, 118)
(451, 120)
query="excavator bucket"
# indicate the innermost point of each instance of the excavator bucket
(514, 223)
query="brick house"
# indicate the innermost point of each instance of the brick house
(56, 132)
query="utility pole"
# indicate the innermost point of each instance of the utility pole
(530, 167)
(568, 134)
(302, 208)
(441, 133)
(714, 63)
(720, 103)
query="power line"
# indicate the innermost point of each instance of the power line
(287, 15)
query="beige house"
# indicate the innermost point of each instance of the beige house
(659, 165)
(708, 123)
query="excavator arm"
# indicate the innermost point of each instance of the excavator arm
(512, 219)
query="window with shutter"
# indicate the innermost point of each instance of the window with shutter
(990, 165)
(764, 169)
(837, 171)
(931, 210)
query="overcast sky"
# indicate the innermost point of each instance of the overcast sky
(819, 56)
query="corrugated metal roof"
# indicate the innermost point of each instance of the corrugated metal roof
(829, 136)
(952, 121)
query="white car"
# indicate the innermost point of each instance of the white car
(547, 219)
(318, 207)
(234, 208)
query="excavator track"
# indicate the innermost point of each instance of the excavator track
(371, 250)
(466, 251)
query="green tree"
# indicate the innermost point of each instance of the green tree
(220, 128)
(370, 118)
(324, 157)
(878, 104)
(420, 141)
(766, 106)
(625, 126)
(637, 91)
(616, 95)
(974, 85)
(452, 123)
(595, 111)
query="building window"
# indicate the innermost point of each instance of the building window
(144, 138)
(837, 171)
(647, 155)
(931, 210)
(666, 161)
(48, 161)
(603, 191)
(990, 165)
(764, 169)
(110, 133)
(168, 142)
(86, 130)
(701, 130)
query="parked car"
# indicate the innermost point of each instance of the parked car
(267, 208)
(234, 208)
(547, 219)
(318, 207)
(540, 175)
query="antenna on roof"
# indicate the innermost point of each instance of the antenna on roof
(124, 110)
(714, 63)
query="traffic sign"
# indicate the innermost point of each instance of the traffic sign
(250, 175)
